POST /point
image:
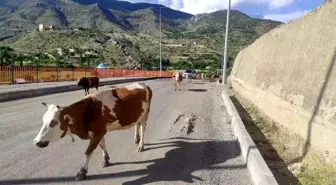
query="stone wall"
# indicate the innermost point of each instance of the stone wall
(290, 75)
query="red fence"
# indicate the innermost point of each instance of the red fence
(13, 75)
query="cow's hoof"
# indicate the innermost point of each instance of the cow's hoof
(140, 148)
(80, 176)
(104, 164)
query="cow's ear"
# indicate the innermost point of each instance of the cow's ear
(45, 104)
(68, 119)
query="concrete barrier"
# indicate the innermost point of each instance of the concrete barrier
(259, 172)
(20, 94)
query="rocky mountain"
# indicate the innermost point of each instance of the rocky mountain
(113, 15)
(184, 35)
(104, 15)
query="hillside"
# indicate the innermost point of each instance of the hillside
(188, 41)
(112, 15)
(209, 30)
(106, 15)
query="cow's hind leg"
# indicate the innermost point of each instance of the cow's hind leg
(136, 134)
(142, 132)
(88, 153)
(86, 91)
(106, 157)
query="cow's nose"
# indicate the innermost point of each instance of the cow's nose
(42, 144)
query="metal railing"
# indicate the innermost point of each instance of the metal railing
(14, 75)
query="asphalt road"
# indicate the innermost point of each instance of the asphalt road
(207, 155)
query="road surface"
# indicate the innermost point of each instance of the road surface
(207, 155)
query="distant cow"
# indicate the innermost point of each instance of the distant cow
(96, 114)
(177, 79)
(202, 76)
(88, 82)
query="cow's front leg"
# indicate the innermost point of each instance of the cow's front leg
(92, 146)
(106, 157)
(142, 132)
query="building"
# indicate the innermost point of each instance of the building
(41, 27)
(102, 66)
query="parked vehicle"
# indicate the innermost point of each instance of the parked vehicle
(189, 72)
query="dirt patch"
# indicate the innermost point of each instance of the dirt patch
(189, 124)
(177, 119)
(280, 148)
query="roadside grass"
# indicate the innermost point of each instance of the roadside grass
(279, 147)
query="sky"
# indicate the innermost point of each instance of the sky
(280, 10)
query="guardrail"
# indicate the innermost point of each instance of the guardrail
(15, 75)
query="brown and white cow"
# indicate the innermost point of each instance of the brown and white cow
(177, 79)
(96, 114)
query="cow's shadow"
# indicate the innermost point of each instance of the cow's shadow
(178, 164)
(198, 90)
(195, 90)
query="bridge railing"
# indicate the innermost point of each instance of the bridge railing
(14, 75)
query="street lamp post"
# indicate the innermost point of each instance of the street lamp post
(226, 41)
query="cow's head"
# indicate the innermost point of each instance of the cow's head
(80, 82)
(53, 127)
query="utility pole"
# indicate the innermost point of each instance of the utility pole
(160, 43)
(226, 41)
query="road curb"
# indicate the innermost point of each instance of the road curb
(10, 96)
(259, 172)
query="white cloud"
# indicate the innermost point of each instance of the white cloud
(206, 6)
(273, 4)
(273, 7)
(285, 17)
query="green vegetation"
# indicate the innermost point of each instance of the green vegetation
(317, 171)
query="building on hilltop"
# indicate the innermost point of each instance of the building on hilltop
(43, 27)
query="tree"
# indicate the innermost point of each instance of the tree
(5, 55)
(101, 57)
(20, 58)
(80, 51)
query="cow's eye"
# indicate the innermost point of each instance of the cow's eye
(53, 123)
